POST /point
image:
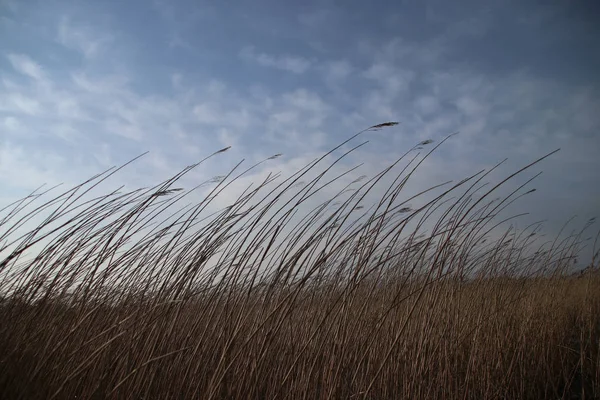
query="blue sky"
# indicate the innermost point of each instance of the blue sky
(85, 85)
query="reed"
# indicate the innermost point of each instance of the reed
(130, 295)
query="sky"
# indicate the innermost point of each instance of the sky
(85, 85)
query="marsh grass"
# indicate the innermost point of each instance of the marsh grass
(130, 296)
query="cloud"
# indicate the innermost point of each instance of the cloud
(427, 105)
(20, 103)
(294, 64)
(297, 121)
(392, 79)
(206, 113)
(82, 38)
(336, 71)
(176, 41)
(35, 167)
(26, 66)
(10, 124)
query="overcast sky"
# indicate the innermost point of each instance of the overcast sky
(86, 85)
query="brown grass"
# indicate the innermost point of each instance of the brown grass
(120, 297)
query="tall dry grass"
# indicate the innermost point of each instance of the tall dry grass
(130, 296)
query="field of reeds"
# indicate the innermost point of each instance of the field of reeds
(133, 295)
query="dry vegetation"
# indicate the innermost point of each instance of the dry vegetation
(121, 297)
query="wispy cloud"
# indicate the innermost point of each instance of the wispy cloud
(26, 66)
(295, 64)
(82, 38)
